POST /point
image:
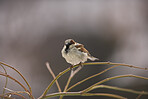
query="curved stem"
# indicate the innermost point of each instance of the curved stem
(92, 63)
(5, 97)
(91, 77)
(15, 81)
(19, 74)
(110, 63)
(120, 89)
(107, 79)
(13, 93)
(16, 92)
(6, 78)
(53, 81)
(73, 72)
(53, 75)
(68, 82)
(30, 95)
(84, 94)
(98, 63)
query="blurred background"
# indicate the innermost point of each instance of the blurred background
(33, 32)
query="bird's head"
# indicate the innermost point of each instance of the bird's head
(69, 42)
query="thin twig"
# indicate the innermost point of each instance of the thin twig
(14, 80)
(91, 77)
(84, 94)
(138, 97)
(6, 97)
(92, 63)
(18, 83)
(53, 75)
(53, 81)
(19, 74)
(120, 89)
(110, 63)
(108, 79)
(6, 82)
(71, 76)
(73, 72)
(67, 84)
(16, 93)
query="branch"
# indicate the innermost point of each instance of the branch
(18, 92)
(83, 94)
(138, 97)
(73, 72)
(19, 74)
(107, 79)
(53, 81)
(6, 97)
(53, 75)
(14, 80)
(92, 77)
(6, 78)
(110, 63)
(93, 63)
(13, 93)
(120, 89)
(71, 76)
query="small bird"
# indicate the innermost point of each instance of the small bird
(75, 53)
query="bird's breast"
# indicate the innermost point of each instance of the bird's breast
(73, 56)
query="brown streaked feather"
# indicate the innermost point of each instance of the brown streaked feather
(79, 46)
(82, 49)
(72, 42)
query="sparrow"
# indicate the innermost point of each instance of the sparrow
(75, 53)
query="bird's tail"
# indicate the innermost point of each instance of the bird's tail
(92, 58)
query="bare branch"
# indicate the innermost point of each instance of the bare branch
(91, 77)
(83, 94)
(19, 74)
(120, 89)
(53, 75)
(110, 78)
(6, 82)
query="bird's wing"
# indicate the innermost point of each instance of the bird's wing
(82, 49)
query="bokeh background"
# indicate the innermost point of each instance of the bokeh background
(33, 32)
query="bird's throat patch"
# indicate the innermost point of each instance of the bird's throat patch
(67, 48)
